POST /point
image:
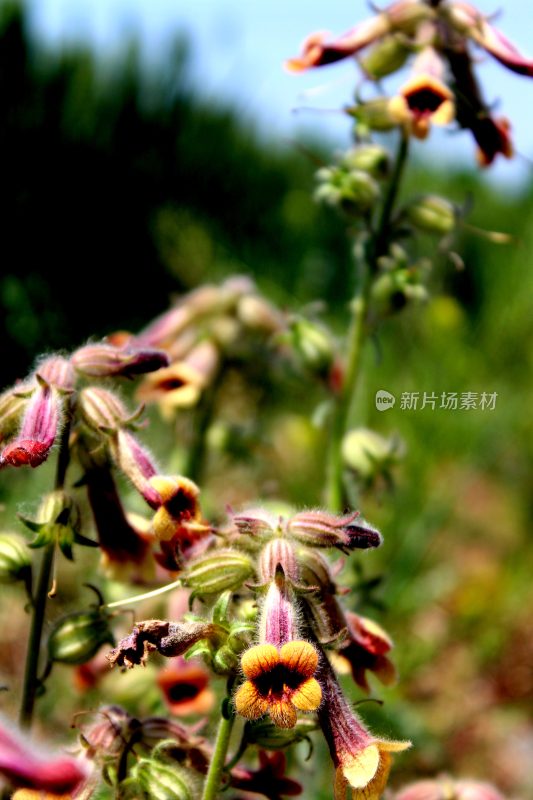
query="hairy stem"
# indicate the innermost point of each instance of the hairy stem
(357, 333)
(31, 683)
(216, 767)
(195, 462)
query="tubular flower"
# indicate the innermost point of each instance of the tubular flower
(177, 523)
(269, 780)
(38, 430)
(279, 670)
(120, 542)
(366, 648)
(403, 16)
(422, 101)
(181, 384)
(26, 769)
(448, 29)
(362, 761)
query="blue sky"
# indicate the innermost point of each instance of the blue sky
(240, 45)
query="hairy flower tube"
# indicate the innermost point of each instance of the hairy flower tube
(38, 431)
(27, 768)
(280, 669)
(362, 761)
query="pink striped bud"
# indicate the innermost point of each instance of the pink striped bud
(277, 553)
(58, 372)
(322, 529)
(136, 463)
(102, 410)
(38, 430)
(105, 360)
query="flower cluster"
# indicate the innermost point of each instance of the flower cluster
(70, 398)
(437, 37)
(275, 648)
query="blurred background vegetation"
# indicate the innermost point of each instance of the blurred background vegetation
(120, 189)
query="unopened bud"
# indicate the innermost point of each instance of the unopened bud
(271, 737)
(406, 17)
(136, 463)
(12, 406)
(374, 115)
(368, 453)
(315, 571)
(217, 572)
(279, 552)
(257, 523)
(159, 779)
(386, 57)
(226, 661)
(76, 638)
(58, 372)
(371, 158)
(258, 314)
(354, 191)
(322, 529)
(102, 410)
(432, 214)
(312, 345)
(105, 360)
(392, 291)
(38, 429)
(15, 562)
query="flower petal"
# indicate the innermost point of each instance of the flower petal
(249, 702)
(307, 696)
(259, 659)
(359, 769)
(316, 52)
(299, 657)
(283, 714)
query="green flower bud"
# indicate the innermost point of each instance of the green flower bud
(12, 406)
(241, 635)
(76, 638)
(386, 57)
(359, 192)
(373, 116)
(226, 661)
(217, 572)
(15, 562)
(271, 737)
(371, 158)
(368, 453)
(102, 410)
(162, 780)
(312, 345)
(432, 214)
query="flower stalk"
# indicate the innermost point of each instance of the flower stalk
(357, 333)
(216, 767)
(31, 682)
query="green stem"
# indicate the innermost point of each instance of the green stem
(195, 462)
(356, 337)
(31, 682)
(216, 767)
